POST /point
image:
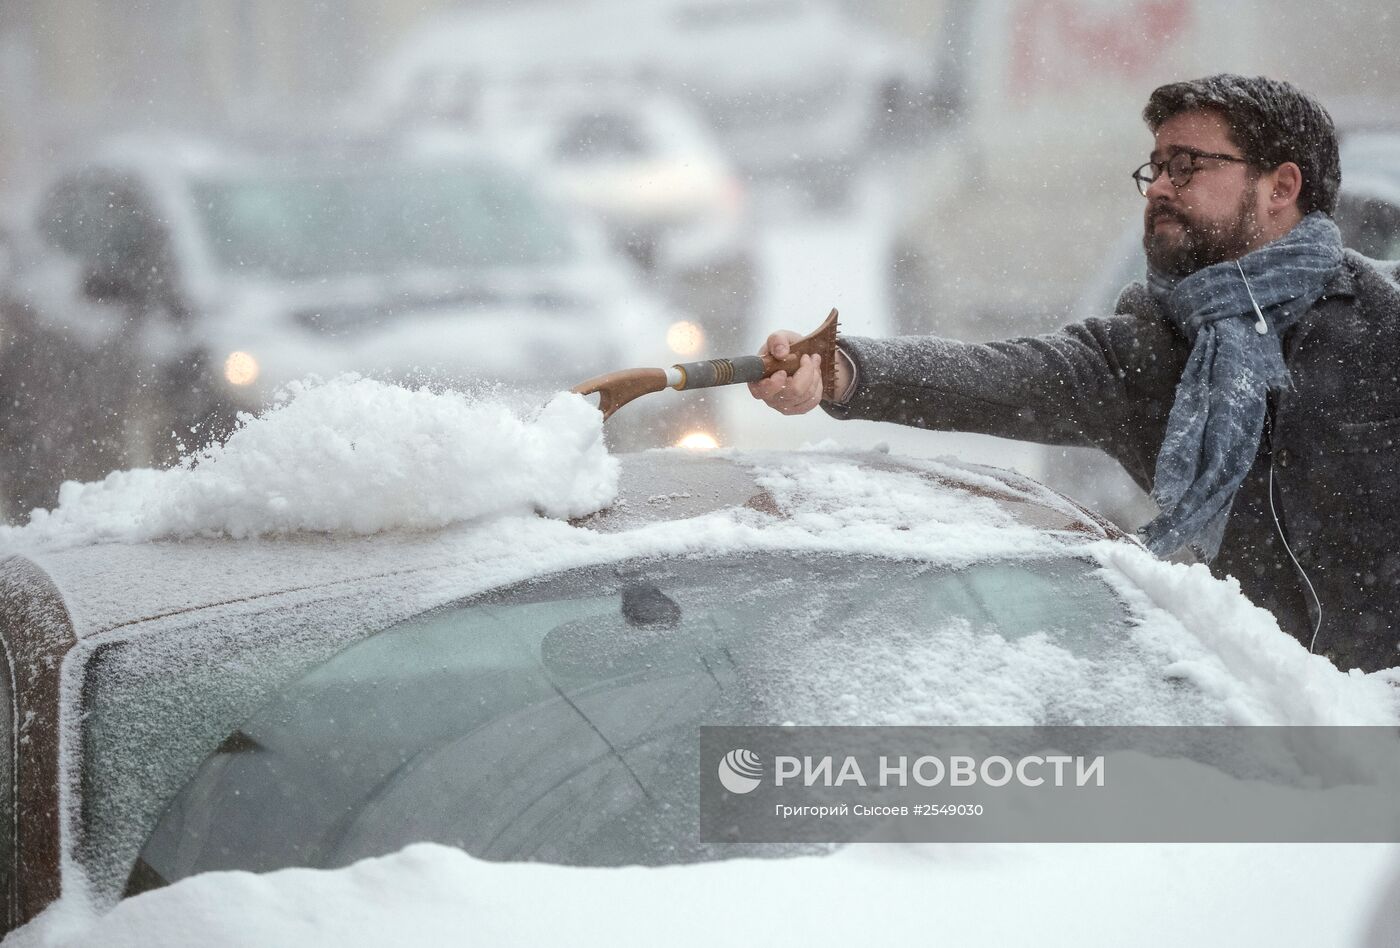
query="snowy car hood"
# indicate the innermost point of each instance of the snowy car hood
(388, 501)
(1194, 628)
(884, 894)
(669, 502)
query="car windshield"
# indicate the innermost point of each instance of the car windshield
(557, 720)
(338, 222)
(606, 136)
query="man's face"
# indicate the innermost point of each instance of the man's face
(1214, 216)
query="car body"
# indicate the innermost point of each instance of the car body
(529, 689)
(168, 285)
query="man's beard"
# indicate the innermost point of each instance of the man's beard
(1195, 246)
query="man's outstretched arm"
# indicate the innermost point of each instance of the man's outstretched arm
(1085, 384)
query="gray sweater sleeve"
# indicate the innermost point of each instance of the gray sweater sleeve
(1093, 383)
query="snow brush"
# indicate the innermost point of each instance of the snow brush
(618, 388)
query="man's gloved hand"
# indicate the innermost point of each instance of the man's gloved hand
(802, 391)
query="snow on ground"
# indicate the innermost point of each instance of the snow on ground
(876, 894)
(351, 455)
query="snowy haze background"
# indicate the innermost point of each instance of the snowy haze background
(985, 210)
(1011, 204)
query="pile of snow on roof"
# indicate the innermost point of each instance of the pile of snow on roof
(349, 455)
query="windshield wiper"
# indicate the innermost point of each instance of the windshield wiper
(644, 606)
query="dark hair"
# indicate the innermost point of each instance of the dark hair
(1271, 121)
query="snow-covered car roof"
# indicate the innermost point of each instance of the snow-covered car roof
(764, 499)
(404, 499)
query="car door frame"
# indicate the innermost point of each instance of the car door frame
(36, 632)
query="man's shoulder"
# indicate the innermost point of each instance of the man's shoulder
(1147, 315)
(1357, 322)
(1364, 269)
(1138, 323)
(1135, 300)
(1374, 289)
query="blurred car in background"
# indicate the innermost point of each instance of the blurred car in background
(168, 285)
(648, 168)
(794, 89)
(641, 160)
(531, 690)
(1368, 214)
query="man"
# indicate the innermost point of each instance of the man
(1250, 384)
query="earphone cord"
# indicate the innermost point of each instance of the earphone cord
(1312, 644)
(1262, 327)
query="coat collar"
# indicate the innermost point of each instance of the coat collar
(1340, 287)
(1343, 285)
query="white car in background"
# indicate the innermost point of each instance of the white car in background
(649, 170)
(642, 161)
(792, 88)
(167, 285)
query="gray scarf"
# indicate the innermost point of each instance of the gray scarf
(1216, 421)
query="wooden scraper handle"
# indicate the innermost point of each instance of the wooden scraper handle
(618, 388)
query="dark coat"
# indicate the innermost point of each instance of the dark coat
(1109, 383)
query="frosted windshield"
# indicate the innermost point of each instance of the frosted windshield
(557, 721)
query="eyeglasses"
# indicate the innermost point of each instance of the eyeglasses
(1179, 168)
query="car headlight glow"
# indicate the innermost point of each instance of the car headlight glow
(698, 441)
(240, 369)
(685, 338)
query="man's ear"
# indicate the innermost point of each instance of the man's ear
(1286, 185)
